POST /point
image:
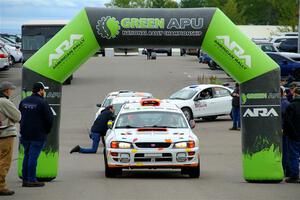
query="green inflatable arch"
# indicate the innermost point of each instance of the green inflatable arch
(208, 28)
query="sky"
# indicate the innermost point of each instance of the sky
(14, 13)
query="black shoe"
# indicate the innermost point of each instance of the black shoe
(75, 149)
(6, 192)
(292, 180)
(233, 129)
(33, 184)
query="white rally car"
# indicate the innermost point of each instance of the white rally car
(151, 134)
(108, 100)
(206, 101)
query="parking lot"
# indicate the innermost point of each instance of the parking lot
(82, 176)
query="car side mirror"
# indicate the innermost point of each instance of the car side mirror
(110, 124)
(98, 105)
(192, 123)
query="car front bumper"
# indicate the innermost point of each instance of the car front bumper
(153, 158)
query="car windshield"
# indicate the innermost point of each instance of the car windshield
(183, 94)
(151, 119)
(117, 107)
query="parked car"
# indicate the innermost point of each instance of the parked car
(14, 52)
(267, 46)
(206, 101)
(151, 134)
(289, 45)
(278, 39)
(15, 38)
(193, 52)
(289, 63)
(4, 61)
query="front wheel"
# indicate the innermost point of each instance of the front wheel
(193, 172)
(188, 113)
(111, 172)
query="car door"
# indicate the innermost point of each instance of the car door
(221, 101)
(203, 103)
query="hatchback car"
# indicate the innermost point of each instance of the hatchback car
(151, 134)
(206, 101)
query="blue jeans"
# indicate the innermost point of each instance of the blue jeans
(285, 156)
(96, 139)
(32, 150)
(294, 154)
(236, 117)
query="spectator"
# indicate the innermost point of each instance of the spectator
(290, 92)
(292, 130)
(98, 131)
(9, 115)
(36, 124)
(236, 108)
(285, 160)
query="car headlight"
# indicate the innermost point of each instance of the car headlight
(183, 145)
(120, 145)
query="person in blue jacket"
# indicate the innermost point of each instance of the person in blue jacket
(35, 125)
(98, 130)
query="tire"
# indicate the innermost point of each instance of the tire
(111, 172)
(187, 113)
(193, 172)
(210, 118)
(12, 60)
(169, 53)
(297, 74)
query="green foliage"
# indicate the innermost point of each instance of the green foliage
(258, 12)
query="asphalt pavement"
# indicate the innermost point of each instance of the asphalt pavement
(82, 176)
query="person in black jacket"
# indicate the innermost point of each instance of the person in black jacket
(236, 108)
(98, 131)
(35, 125)
(292, 130)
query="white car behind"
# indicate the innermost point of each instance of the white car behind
(206, 101)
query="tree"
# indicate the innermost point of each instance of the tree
(192, 3)
(127, 4)
(163, 4)
(236, 15)
(288, 12)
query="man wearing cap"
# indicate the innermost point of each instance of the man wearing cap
(98, 130)
(36, 124)
(291, 128)
(9, 116)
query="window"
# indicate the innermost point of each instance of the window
(183, 94)
(33, 42)
(205, 94)
(221, 92)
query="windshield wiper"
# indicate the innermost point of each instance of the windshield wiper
(177, 98)
(128, 126)
(158, 126)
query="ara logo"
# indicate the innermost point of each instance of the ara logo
(63, 47)
(260, 112)
(108, 27)
(236, 49)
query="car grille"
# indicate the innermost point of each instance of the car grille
(165, 157)
(153, 144)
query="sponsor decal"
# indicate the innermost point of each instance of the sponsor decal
(260, 112)
(234, 50)
(200, 105)
(109, 27)
(249, 96)
(65, 49)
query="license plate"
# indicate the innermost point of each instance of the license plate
(153, 154)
